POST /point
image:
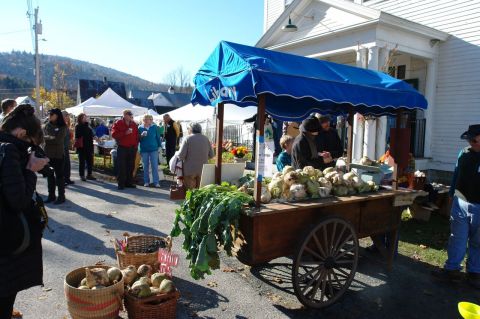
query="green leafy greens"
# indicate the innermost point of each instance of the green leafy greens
(205, 219)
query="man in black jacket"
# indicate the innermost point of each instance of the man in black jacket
(328, 140)
(465, 213)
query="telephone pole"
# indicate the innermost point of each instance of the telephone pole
(37, 28)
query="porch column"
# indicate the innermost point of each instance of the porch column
(430, 92)
(381, 141)
(369, 139)
(358, 121)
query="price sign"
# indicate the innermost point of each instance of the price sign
(167, 260)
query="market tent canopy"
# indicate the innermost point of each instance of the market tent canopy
(108, 104)
(232, 113)
(295, 86)
(151, 112)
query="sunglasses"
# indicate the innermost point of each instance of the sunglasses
(129, 114)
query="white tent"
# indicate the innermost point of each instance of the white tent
(151, 112)
(232, 114)
(108, 104)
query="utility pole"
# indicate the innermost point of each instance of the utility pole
(38, 30)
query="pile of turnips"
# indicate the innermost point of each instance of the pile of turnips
(292, 185)
(143, 282)
(98, 278)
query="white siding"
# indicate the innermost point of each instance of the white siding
(272, 9)
(458, 87)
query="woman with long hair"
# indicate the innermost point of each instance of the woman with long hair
(84, 138)
(55, 130)
(20, 228)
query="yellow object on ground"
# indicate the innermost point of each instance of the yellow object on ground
(469, 310)
(138, 159)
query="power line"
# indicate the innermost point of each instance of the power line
(11, 32)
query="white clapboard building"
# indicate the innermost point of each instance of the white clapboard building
(432, 44)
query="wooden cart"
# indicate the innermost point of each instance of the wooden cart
(322, 237)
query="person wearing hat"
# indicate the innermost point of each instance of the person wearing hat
(304, 149)
(465, 213)
(328, 141)
(55, 131)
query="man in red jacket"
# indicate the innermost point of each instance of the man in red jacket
(125, 132)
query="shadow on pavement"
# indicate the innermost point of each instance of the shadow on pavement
(408, 291)
(76, 240)
(195, 298)
(110, 221)
(108, 197)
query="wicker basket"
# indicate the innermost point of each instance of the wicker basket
(103, 303)
(137, 247)
(161, 306)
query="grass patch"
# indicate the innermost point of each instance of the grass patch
(424, 241)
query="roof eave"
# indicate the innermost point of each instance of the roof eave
(407, 25)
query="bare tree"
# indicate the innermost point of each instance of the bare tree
(180, 80)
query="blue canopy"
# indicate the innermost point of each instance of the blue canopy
(295, 86)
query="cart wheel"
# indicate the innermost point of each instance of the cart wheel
(325, 263)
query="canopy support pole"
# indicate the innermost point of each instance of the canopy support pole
(260, 151)
(219, 131)
(350, 118)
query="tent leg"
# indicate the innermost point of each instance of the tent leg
(260, 151)
(350, 117)
(219, 130)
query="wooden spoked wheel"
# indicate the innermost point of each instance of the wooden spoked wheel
(325, 263)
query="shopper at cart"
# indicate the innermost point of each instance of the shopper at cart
(102, 130)
(304, 150)
(150, 142)
(465, 213)
(195, 151)
(285, 157)
(84, 145)
(55, 130)
(328, 139)
(125, 132)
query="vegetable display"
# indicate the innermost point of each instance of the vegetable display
(205, 219)
(97, 278)
(143, 283)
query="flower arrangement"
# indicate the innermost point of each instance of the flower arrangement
(239, 151)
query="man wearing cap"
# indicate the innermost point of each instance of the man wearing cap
(465, 213)
(304, 149)
(328, 142)
(125, 132)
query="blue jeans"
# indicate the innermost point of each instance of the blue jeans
(464, 228)
(150, 158)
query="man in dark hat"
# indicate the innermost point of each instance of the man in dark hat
(465, 213)
(304, 150)
(328, 142)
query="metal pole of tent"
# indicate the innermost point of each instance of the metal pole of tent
(260, 151)
(219, 130)
(350, 118)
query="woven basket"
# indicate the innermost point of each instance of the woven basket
(137, 247)
(161, 306)
(103, 303)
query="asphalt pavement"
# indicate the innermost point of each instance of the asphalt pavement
(96, 212)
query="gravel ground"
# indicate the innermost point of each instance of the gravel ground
(95, 212)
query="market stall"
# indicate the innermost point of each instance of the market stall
(321, 234)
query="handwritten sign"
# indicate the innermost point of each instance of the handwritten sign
(167, 260)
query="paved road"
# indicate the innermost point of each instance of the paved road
(96, 212)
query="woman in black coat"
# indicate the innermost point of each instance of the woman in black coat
(20, 223)
(304, 149)
(84, 133)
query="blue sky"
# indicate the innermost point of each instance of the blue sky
(146, 38)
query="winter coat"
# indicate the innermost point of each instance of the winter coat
(18, 184)
(84, 131)
(119, 130)
(330, 142)
(172, 132)
(151, 142)
(194, 152)
(55, 145)
(302, 155)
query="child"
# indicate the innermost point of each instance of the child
(285, 157)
